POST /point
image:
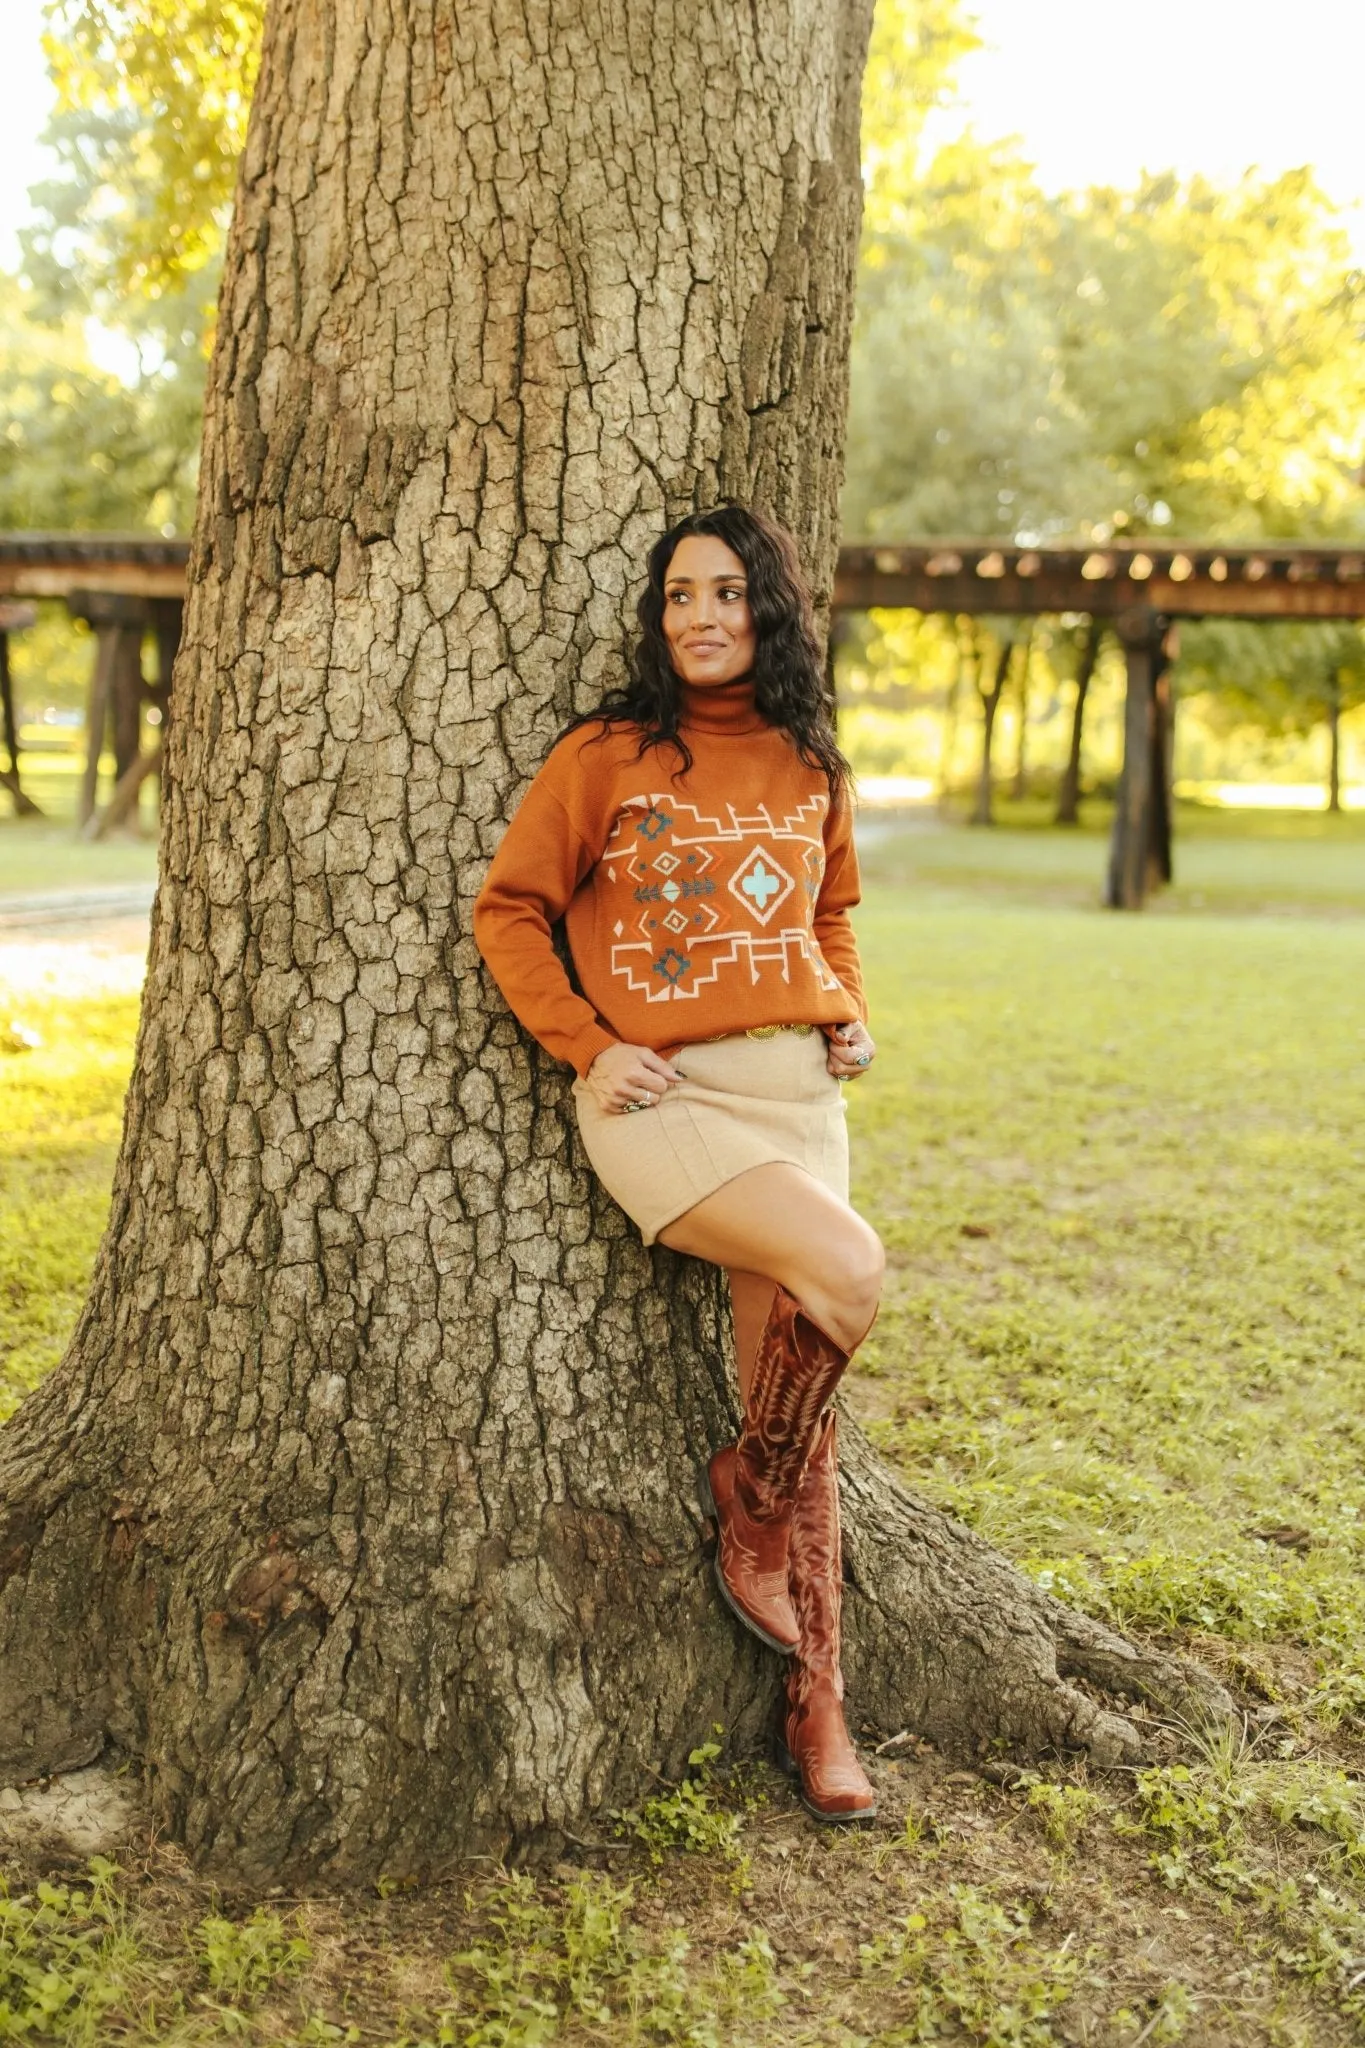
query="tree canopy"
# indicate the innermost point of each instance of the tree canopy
(1181, 357)
(1178, 356)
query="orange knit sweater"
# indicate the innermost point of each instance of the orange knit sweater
(695, 903)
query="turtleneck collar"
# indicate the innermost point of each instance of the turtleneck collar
(727, 708)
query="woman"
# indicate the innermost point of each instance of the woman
(695, 834)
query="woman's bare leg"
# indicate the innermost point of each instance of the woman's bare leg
(781, 1224)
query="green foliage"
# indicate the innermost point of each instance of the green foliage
(1204, 1820)
(1166, 2019)
(687, 1816)
(1105, 362)
(1281, 678)
(64, 1960)
(246, 1959)
(152, 100)
(1063, 1811)
(913, 56)
(1095, 362)
(78, 447)
(540, 1969)
(977, 1968)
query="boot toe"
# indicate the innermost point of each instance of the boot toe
(842, 1797)
(751, 1561)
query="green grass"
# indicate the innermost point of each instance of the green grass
(1118, 1165)
(61, 1111)
(1268, 862)
(42, 854)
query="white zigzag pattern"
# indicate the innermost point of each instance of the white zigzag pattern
(732, 948)
(751, 825)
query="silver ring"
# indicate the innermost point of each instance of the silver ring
(631, 1107)
(864, 1059)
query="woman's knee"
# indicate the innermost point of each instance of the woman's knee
(850, 1280)
(866, 1271)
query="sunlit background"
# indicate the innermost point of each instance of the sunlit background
(984, 391)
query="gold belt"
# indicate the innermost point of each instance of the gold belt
(758, 1031)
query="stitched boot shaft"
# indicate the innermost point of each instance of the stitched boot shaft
(834, 1786)
(753, 1482)
(815, 1568)
(796, 1369)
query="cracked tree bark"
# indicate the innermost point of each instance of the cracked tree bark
(361, 1509)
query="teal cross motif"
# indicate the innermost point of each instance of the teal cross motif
(759, 884)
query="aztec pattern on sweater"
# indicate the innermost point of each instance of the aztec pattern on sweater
(702, 894)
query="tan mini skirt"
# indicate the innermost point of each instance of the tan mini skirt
(746, 1101)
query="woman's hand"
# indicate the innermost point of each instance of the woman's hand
(851, 1051)
(629, 1077)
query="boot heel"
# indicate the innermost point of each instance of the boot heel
(782, 1758)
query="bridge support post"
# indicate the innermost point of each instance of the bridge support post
(116, 687)
(1140, 851)
(13, 616)
(1161, 809)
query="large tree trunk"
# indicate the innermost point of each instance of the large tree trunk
(362, 1508)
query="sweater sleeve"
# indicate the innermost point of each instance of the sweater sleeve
(540, 864)
(840, 890)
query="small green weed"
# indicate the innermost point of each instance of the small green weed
(1165, 2020)
(1313, 1796)
(1063, 1811)
(688, 1816)
(977, 1969)
(66, 1960)
(246, 1959)
(541, 1970)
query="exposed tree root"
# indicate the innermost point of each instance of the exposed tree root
(945, 1637)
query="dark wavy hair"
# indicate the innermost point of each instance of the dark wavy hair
(789, 681)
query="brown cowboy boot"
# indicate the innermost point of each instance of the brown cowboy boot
(815, 1745)
(752, 1483)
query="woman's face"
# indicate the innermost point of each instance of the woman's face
(707, 622)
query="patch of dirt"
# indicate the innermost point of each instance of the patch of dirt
(69, 1819)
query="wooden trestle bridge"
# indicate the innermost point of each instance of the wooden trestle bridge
(1139, 589)
(125, 587)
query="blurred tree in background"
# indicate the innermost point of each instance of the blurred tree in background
(1283, 679)
(79, 446)
(1094, 363)
(151, 106)
(1180, 358)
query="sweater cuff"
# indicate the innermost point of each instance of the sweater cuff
(587, 1046)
